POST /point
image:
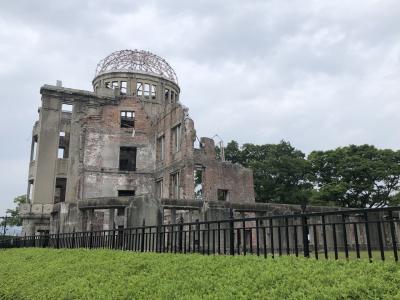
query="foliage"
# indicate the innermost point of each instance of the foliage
(13, 218)
(107, 274)
(357, 176)
(281, 172)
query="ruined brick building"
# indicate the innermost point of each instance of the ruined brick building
(111, 157)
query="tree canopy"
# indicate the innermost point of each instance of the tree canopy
(13, 219)
(352, 176)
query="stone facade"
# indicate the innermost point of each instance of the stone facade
(122, 154)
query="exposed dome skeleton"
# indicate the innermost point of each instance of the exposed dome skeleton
(139, 61)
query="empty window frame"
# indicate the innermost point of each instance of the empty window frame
(63, 145)
(60, 189)
(174, 185)
(127, 159)
(153, 92)
(61, 153)
(126, 193)
(30, 190)
(161, 148)
(66, 107)
(139, 88)
(107, 84)
(127, 119)
(34, 147)
(115, 84)
(198, 182)
(123, 87)
(159, 189)
(166, 95)
(121, 212)
(172, 96)
(222, 195)
(146, 90)
(176, 136)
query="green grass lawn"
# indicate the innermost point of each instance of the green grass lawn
(107, 274)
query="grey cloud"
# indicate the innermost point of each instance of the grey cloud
(320, 74)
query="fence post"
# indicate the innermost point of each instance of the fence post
(91, 237)
(143, 233)
(198, 235)
(180, 233)
(306, 246)
(58, 239)
(73, 239)
(231, 232)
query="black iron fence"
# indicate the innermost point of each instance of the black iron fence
(368, 233)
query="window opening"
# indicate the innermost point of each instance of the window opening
(34, 147)
(123, 87)
(60, 153)
(176, 138)
(59, 193)
(166, 94)
(127, 119)
(222, 195)
(127, 159)
(62, 133)
(146, 90)
(30, 190)
(153, 92)
(139, 88)
(126, 193)
(174, 186)
(66, 107)
(172, 96)
(159, 189)
(160, 148)
(115, 84)
(120, 212)
(198, 182)
(107, 84)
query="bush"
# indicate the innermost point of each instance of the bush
(107, 274)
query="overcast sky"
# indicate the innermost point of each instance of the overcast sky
(320, 74)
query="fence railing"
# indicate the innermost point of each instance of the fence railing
(364, 233)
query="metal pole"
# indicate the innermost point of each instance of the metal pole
(5, 225)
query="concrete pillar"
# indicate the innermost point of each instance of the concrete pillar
(47, 151)
(74, 155)
(144, 207)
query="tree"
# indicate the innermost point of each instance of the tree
(357, 176)
(13, 218)
(281, 172)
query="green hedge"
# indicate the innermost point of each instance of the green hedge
(107, 274)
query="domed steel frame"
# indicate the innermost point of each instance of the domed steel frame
(136, 61)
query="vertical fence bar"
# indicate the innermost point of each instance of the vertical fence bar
(324, 236)
(287, 236)
(257, 238)
(315, 240)
(296, 244)
(367, 236)
(244, 237)
(306, 246)
(219, 237)
(380, 239)
(180, 234)
(143, 237)
(356, 240)
(198, 235)
(271, 230)
(346, 249)
(232, 233)
(334, 240)
(393, 235)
